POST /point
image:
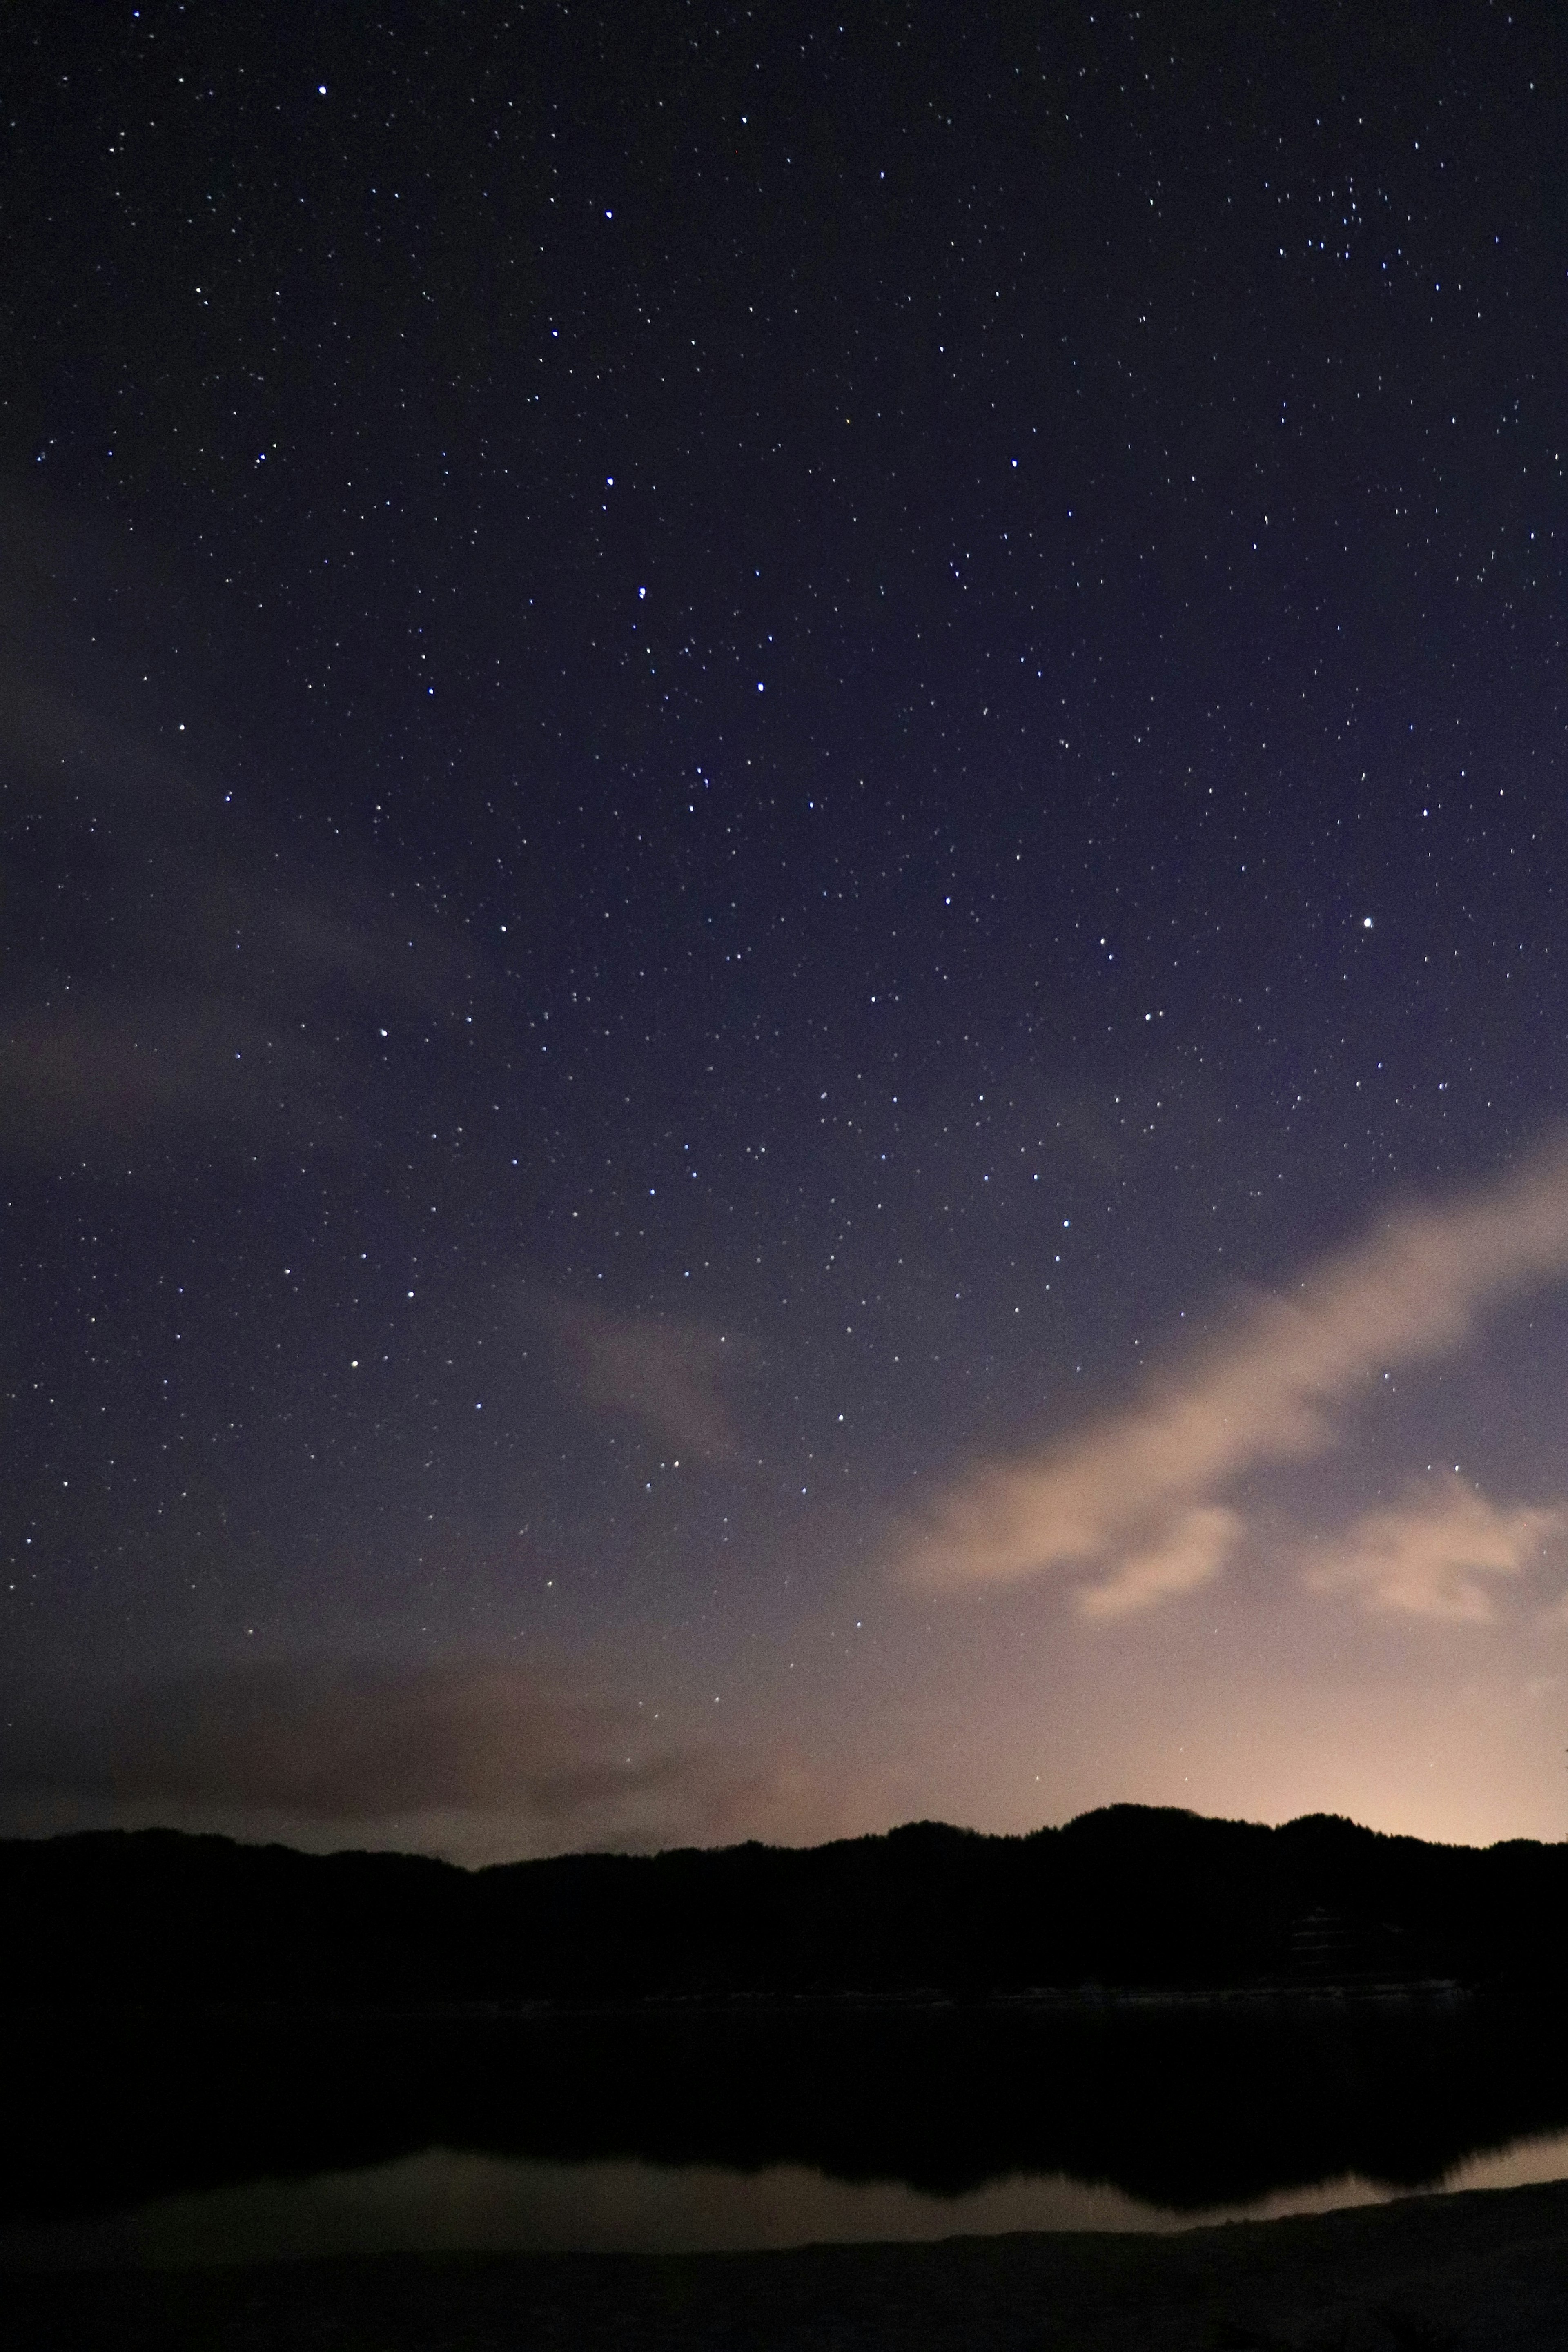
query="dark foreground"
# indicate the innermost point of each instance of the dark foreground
(1487, 2270)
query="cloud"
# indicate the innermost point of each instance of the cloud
(467, 1756)
(114, 1070)
(666, 1375)
(1428, 1557)
(321, 1742)
(1191, 1552)
(1135, 1494)
(208, 1006)
(180, 972)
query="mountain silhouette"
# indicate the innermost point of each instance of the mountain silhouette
(1130, 1896)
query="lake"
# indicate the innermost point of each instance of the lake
(151, 2142)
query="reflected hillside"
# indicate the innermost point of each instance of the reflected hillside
(1186, 2107)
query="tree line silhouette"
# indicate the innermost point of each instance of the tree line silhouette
(1128, 1897)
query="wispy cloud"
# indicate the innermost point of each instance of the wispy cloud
(319, 1742)
(668, 1376)
(1137, 1497)
(188, 974)
(112, 1069)
(1190, 1551)
(467, 1756)
(1432, 1554)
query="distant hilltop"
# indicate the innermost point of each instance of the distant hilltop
(1130, 1897)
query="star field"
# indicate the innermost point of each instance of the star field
(753, 771)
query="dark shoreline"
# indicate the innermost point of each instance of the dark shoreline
(1485, 2271)
(1065, 2000)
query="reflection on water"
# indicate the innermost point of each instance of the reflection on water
(446, 2201)
(168, 2142)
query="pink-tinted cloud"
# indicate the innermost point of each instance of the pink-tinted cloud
(1189, 1552)
(1433, 1555)
(1138, 1498)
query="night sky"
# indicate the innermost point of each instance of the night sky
(785, 966)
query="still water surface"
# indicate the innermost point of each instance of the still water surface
(171, 2142)
(449, 2200)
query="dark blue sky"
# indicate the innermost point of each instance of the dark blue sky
(760, 779)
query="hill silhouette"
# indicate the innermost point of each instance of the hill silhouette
(1128, 1897)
